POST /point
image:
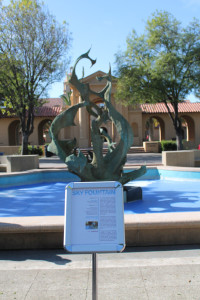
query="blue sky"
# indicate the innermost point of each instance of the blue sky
(104, 25)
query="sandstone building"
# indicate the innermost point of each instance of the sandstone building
(148, 121)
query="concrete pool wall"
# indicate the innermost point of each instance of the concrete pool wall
(42, 175)
(35, 176)
(140, 230)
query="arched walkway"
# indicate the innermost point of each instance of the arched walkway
(43, 131)
(155, 129)
(190, 128)
(14, 134)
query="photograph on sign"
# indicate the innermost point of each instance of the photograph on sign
(94, 217)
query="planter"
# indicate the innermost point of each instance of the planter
(151, 147)
(17, 163)
(182, 158)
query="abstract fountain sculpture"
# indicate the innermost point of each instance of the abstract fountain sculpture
(100, 167)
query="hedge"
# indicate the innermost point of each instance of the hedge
(34, 150)
(168, 146)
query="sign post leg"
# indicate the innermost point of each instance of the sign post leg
(94, 277)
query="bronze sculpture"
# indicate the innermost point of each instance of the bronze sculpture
(99, 167)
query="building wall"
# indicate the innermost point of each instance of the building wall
(81, 131)
(136, 118)
(168, 130)
(4, 124)
(83, 120)
(193, 128)
(34, 137)
(194, 136)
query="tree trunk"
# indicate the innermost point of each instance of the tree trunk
(27, 127)
(179, 137)
(176, 122)
(24, 150)
(179, 142)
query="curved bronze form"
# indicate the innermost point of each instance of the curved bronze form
(100, 168)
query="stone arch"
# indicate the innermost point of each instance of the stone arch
(43, 129)
(150, 129)
(14, 133)
(190, 128)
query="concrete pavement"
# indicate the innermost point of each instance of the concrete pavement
(138, 273)
(144, 159)
(135, 159)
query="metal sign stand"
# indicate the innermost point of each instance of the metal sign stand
(85, 229)
(94, 276)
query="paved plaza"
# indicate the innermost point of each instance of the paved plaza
(135, 159)
(138, 273)
(144, 159)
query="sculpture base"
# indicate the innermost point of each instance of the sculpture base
(132, 193)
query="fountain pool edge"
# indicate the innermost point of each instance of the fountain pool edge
(51, 175)
(140, 230)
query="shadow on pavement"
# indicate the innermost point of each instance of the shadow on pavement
(53, 256)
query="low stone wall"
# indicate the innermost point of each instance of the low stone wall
(18, 163)
(183, 158)
(9, 150)
(162, 229)
(140, 230)
(31, 233)
(152, 147)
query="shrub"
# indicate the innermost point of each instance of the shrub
(168, 145)
(33, 150)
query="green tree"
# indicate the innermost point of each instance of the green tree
(161, 65)
(33, 55)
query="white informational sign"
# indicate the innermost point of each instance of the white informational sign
(94, 217)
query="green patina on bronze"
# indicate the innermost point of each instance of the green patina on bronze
(107, 167)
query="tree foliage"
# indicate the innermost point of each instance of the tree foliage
(33, 48)
(161, 65)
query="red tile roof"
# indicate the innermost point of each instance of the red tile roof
(185, 107)
(51, 108)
